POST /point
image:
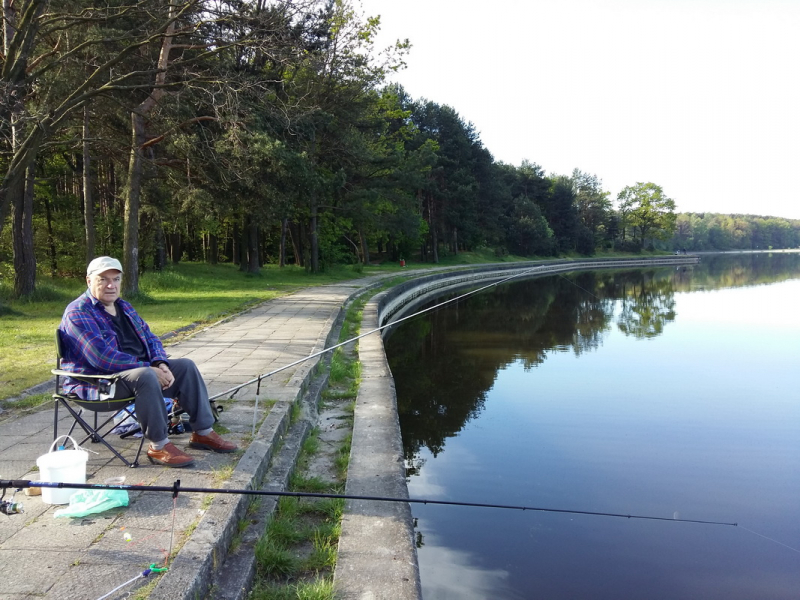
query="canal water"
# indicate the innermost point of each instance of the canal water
(667, 392)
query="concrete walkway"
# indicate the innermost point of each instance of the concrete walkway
(85, 558)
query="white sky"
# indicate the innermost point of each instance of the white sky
(701, 97)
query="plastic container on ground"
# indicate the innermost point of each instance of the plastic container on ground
(64, 466)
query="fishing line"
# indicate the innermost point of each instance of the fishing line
(579, 287)
(770, 539)
(142, 575)
(232, 391)
(176, 488)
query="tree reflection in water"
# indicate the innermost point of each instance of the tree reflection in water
(445, 362)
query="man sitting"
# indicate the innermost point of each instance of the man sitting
(103, 334)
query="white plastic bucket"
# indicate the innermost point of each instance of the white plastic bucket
(64, 466)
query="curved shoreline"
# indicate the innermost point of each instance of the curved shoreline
(377, 553)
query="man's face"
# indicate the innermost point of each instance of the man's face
(105, 286)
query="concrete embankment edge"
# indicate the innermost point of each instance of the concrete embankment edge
(203, 567)
(377, 553)
(377, 556)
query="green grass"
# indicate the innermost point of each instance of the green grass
(341, 366)
(317, 589)
(296, 556)
(479, 256)
(181, 295)
(25, 403)
(342, 460)
(298, 521)
(286, 530)
(311, 443)
(324, 554)
(273, 558)
(345, 376)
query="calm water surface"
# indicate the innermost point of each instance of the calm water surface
(665, 392)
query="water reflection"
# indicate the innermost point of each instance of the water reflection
(450, 573)
(647, 307)
(622, 391)
(444, 363)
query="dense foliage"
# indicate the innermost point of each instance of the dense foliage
(710, 231)
(253, 131)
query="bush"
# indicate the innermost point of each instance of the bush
(634, 246)
(584, 243)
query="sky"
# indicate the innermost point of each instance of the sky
(701, 97)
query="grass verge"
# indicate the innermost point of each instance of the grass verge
(296, 556)
(180, 297)
(186, 294)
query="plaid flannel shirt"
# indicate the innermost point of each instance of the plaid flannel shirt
(91, 345)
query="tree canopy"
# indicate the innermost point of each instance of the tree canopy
(264, 131)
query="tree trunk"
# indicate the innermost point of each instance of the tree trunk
(236, 244)
(252, 246)
(314, 239)
(213, 248)
(51, 238)
(130, 260)
(22, 238)
(160, 253)
(88, 200)
(244, 244)
(364, 246)
(136, 165)
(296, 237)
(434, 236)
(282, 249)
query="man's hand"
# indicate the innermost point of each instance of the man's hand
(165, 376)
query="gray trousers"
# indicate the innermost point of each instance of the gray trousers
(188, 387)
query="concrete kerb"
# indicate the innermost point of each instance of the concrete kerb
(377, 556)
(377, 552)
(191, 574)
(387, 570)
(202, 567)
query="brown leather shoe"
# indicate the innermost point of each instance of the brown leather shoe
(212, 441)
(169, 456)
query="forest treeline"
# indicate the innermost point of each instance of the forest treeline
(255, 131)
(712, 231)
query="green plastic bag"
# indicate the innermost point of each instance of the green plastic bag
(88, 502)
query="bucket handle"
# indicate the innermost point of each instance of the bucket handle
(74, 443)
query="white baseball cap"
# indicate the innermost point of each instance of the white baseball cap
(101, 264)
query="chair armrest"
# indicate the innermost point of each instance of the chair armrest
(104, 383)
(85, 377)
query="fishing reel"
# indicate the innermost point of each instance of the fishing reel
(9, 507)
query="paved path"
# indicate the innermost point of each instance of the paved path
(47, 557)
(85, 558)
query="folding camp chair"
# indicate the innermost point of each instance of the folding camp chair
(105, 385)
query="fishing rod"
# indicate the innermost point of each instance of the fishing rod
(176, 488)
(232, 391)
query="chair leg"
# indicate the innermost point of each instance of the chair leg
(94, 434)
(55, 418)
(94, 437)
(135, 462)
